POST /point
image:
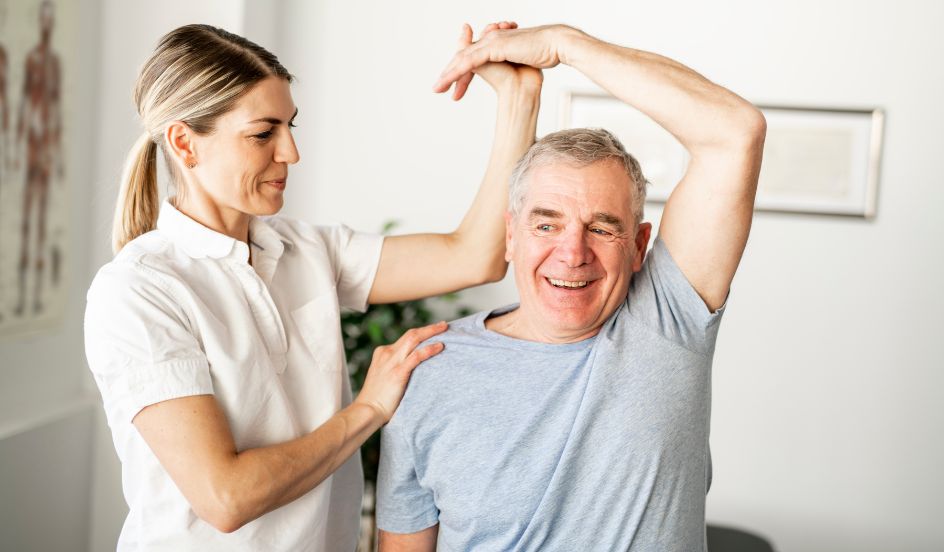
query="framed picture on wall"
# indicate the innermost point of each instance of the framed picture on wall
(816, 160)
(37, 49)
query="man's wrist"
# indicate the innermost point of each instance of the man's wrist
(570, 43)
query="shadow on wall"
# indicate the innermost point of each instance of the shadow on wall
(727, 539)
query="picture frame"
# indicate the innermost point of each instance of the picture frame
(817, 160)
(37, 37)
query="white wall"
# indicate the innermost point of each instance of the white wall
(827, 419)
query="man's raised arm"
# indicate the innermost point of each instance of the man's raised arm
(708, 216)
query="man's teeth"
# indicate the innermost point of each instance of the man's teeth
(566, 284)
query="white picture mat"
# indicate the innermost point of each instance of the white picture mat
(815, 160)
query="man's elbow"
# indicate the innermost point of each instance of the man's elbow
(752, 128)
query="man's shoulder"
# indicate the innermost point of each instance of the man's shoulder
(466, 348)
(462, 334)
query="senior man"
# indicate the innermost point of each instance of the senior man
(579, 419)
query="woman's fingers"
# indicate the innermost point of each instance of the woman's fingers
(460, 70)
(412, 338)
(419, 355)
(392, 365)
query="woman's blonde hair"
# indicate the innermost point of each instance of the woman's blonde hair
(196, 74)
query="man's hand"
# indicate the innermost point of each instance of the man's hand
(535, 47)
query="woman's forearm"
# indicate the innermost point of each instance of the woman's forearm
(423, 265)
(263, 479)
(481, 234)
(228, 488)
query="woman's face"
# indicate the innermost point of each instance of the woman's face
(243, 165)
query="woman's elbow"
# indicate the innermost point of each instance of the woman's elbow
(225, 512)
(495, 272)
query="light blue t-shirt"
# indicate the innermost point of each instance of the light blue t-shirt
(596, 445)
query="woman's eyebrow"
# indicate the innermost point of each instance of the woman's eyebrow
(273, 120)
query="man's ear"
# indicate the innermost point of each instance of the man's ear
(178, 137)
(643, 233)
(509, 232)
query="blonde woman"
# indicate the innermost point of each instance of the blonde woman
(214, 336)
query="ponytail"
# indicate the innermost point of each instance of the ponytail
(138, 203)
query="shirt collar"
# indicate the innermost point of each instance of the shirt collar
(198, 241)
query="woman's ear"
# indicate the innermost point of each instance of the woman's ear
(179, 141)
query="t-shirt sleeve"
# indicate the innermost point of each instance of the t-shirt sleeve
(403, 505)
(663, 298)
(138, 343)
(355, 257)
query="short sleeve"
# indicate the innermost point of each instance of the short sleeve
(138, 343)
(355, 256)
(662, 297)
(403, 505)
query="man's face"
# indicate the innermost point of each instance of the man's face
(574, 246)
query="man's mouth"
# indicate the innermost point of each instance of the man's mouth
(567, 284)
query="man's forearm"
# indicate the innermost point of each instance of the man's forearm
(698, 112)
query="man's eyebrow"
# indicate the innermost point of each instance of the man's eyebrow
(611, 220)
(543, 212)
(273, 120)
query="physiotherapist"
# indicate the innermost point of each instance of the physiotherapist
(213, 335)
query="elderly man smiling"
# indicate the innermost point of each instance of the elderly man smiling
(579, 419)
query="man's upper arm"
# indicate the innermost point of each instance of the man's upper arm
(421, 541)
(707, 218)
(404, 505)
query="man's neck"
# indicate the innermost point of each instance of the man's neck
(516, 325)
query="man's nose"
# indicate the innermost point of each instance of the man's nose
(573, 249)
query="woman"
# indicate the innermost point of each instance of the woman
(214, 335)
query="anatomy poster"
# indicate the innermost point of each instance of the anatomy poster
(34, 176)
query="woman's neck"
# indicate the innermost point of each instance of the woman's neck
(224, 220)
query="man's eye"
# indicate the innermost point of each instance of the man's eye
(600, 232)
(545, 227)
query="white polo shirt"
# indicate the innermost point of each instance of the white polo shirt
(180, 312)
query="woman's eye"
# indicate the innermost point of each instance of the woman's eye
(263, 135)
(292, 124)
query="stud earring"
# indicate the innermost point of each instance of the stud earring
(191, 164)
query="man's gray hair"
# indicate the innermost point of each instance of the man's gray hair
(579, 147)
